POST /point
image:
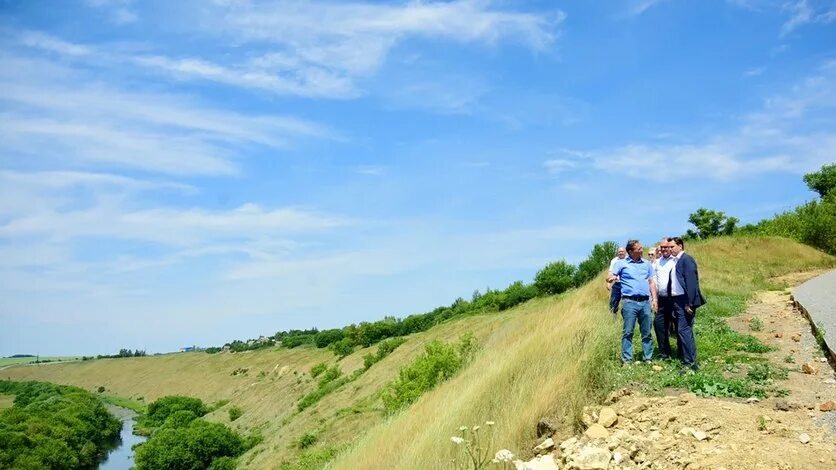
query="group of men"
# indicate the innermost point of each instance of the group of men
(668, 285)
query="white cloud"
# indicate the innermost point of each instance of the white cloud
(320, 49)
(91, 124)
(802, 13)
(637, 7)
(754, 72)
(792, 133)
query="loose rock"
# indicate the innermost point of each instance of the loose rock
(544, 446)
(591, 458)
(544, 462)
(686, 397)
(804, 438)
(607, 417)
(596, 431)
(809, 368)
(828, 406)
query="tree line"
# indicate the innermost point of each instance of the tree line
(812, 223)
(555, 278)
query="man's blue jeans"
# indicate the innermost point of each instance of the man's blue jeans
(632, 310)
(615, 297)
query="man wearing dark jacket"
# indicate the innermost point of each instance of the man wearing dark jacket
(685, 305)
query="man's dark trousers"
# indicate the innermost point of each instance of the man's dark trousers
(685, 331)
(615, 297)
(662, 325)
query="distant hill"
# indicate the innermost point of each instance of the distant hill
(543, 359)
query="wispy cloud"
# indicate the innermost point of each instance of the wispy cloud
(637, 7)
(54, 112)
(802, 13)
(119, 11)
(777, 138)
(321, 49)
(754, 72)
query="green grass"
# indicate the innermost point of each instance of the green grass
(128, 403)
(731, 363)
(10, 361)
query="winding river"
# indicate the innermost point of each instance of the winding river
(121, 457)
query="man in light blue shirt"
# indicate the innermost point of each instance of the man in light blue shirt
(638, 295)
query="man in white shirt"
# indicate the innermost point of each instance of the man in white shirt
(615, 294)
(669, 288)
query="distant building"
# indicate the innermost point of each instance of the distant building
(187, 349)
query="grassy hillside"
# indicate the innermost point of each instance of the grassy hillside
(544, 359)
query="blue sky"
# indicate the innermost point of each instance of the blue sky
(177, 173)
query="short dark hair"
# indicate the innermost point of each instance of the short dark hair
(631, 244)
(678, 241)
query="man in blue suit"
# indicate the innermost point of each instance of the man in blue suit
(686, 305)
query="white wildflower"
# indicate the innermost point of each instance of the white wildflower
(489, 423)
(475, 428)
(504, 455)
(457, 440)
(462, 428)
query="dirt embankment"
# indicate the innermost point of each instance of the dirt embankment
(682, 431)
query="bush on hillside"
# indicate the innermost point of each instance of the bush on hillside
(384, 348)
(813, 223)
(235, 413)
(192, 447)
(318, 369)
(822, 181)
(343, 347)
(555, 278)
(599, 259)
(710, 223)
(517, 293)
(438, 363)
(159, 410)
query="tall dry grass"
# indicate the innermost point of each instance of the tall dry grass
(550, 364)
(544, 365)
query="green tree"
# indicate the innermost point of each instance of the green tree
(600, 257)
(822, 181)
(555, 278)
(710, 223)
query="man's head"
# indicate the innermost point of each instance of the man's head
(678, 246)
(634, 249)
(622, 252)
(666, 246)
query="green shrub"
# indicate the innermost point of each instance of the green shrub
(318, 369)
(555, 278)
(384, 348)
(235, 413)
(438, 363)
(195, 446)
(516, 294)
(598, 260)
(755, 324)
(343, 347)
(330, 374)
(159, 410)
(223, 463)
(306, 440)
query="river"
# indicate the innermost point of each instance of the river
(121, 457)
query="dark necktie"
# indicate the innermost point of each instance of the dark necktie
(670, 281)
